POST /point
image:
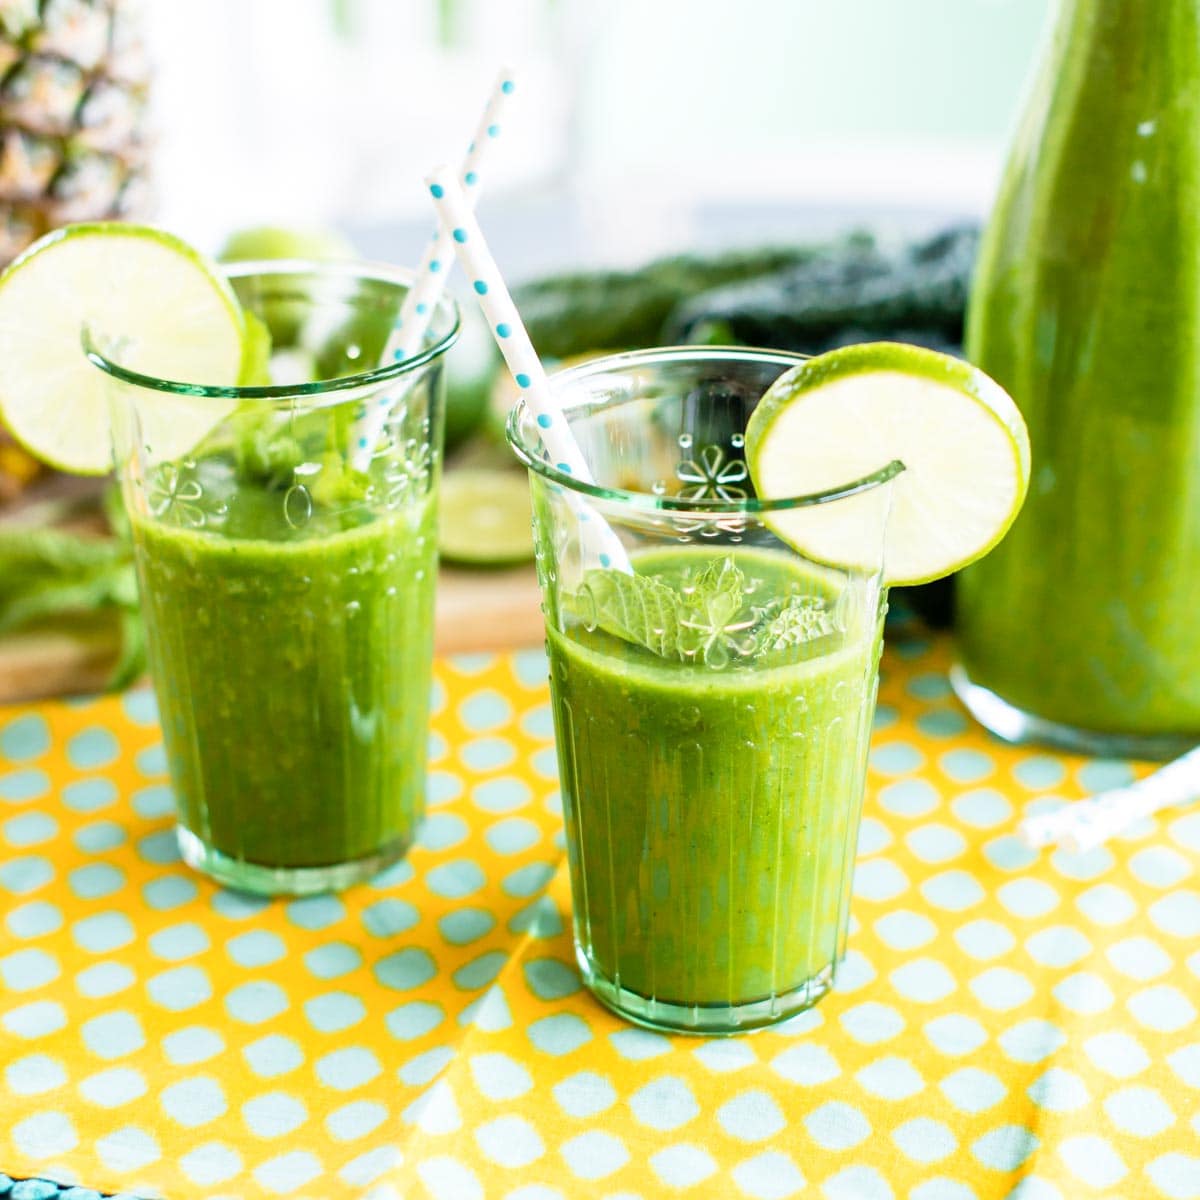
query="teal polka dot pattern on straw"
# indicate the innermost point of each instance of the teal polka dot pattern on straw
(454, 211)
(408, 333)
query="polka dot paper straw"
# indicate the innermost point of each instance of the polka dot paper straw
(601, 545)
(408, 334)
(1089, 823)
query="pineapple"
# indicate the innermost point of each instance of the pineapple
(73, 147)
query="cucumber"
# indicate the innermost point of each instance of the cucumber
(849, 293)
(625, 310)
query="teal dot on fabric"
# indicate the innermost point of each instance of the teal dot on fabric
(345, 1070)
(501, 795)
(191, 1045)
(387, 918)
(879, 880)
(466, 925)
(273, 1055)
(35, 919)
(485, 710)
(405, 969)
(99, 837)
(180, 988)
(528, 880)
(1163, 1008)
(355, 1120)
(455, 880)
(1040, 771)
(480, 971)
(113, 1035)
(39, 1019)
(332, 960)
(923, 981)
(973, 1090)
(24, 738)
(141, 707)
(316, 912)
(414, 1020)
(87, 795)
(872, 1023)
(103, 933)
(1006, 1147)
(441, 787)
(96, 880)
(891, 1078)
(257, 1002)
(551, 978)
(896, 758)
(751, 1116)
(984, 939)
(171, 891)
(334, 1011)
(925, 1140)
(504, 329)
(440, 831)
(258, 948)
(905, 930)
(29, 829)
(1058, 946)
(436, 191)
(95, 747)
(104, 979)
(837, 1126)
(953, 891)
(152, 761)
(966, 766)
(160, 848)
(481, 288)
(488, 753)
(560, 1034)
(513, 835)
(28, 784)
(1032, 1041)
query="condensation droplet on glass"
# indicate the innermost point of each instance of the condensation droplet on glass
(685, 441)
(390, 591)
(297, 506)
(737, 441)
(1138, 172)
(353, 608)
(658, 487)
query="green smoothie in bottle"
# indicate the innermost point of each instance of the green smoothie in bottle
(1081, 628)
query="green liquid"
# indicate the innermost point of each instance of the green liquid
(1087, 308)
(292, 669)
(712, 815)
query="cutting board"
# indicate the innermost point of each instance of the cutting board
(476, 610)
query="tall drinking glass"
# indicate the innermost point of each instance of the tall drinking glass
(288, 597)
(712, 709)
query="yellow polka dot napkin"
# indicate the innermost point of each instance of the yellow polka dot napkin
(1004, 1024)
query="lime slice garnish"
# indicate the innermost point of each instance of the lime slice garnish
(485, 518)
(848, 413)
(150, 299)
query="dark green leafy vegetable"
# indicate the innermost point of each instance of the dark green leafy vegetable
(49, 573)
(609, 310)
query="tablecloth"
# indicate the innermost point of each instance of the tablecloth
(1004, 1024)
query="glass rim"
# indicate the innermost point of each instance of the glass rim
(532, 459)
(362, 380)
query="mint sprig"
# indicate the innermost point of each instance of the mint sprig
(710, 619)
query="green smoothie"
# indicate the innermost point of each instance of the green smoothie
(713, 778)
(1087, 309)
(290, 651)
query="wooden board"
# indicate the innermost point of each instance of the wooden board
(476, 610)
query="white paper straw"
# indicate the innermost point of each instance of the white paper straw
(1089, 823)
(408, 333)
(601, 545)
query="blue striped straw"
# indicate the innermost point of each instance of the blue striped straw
(408, 333)
(601, 545)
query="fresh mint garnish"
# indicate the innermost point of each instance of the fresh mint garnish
(710, 619)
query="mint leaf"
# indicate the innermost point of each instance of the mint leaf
(635, 608)
(796, 622)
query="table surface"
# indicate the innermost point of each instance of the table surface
(1002, 1021)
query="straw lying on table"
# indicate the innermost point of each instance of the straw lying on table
(1089, 823)
(601, 546)
(408, 333)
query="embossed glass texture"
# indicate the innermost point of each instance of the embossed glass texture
(712, 710)
(287, 582)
